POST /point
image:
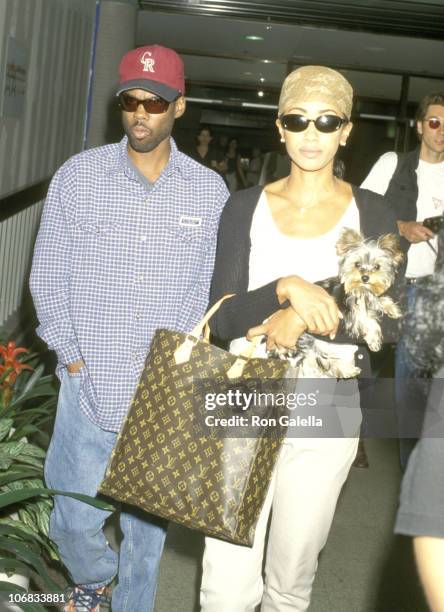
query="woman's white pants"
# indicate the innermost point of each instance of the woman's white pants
(302, 496)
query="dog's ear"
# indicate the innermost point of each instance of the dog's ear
(348, 239)
(390, 243)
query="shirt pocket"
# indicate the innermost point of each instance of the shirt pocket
(184, 250)
(100, 231)
(102, 244)
(186, 234)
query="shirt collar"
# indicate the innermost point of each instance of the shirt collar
(176, 162)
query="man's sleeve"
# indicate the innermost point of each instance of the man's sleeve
(51, 268)
(208, 266)
(380, 175)
(197, 300)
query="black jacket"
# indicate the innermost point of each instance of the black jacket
(402, 192)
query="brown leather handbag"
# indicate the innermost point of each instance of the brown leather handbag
(167, 462)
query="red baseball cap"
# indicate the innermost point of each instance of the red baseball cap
(154, 68)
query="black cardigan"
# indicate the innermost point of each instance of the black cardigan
(231, 272)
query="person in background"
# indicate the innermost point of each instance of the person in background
(126, 245)
(203, 152)
(275, 165)
(254, 167)
(222, 143)
(421, 509)
(413, 184)
(235, 176)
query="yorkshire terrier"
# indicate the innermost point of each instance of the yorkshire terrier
(367, 269)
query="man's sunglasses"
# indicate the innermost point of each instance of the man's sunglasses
(323, 123)
(153, 106)
(434, 123)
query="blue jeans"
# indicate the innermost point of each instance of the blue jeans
(76, 462)
(411, 390)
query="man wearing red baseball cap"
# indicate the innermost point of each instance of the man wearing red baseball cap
(126, 245)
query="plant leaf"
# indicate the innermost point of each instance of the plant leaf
(31, 461)
(22, 531)
(13, 565)
(5, 463)
(32, 450)
(11, 449)
(33, 379)
(20, 534)
(42, 409)
(13, 497)
(38, 391)
(18, 474)
(23, 553)
(26, 430)
(5, 427)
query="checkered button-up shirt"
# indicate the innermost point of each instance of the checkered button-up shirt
(115, 260)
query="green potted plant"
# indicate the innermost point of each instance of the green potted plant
(27, 403)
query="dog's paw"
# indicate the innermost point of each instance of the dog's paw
(374, 340)
(390, 308)
(394, 312)
(374, 345)
(349, 371)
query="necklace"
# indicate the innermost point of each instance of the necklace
(303, 209)
(300, 209)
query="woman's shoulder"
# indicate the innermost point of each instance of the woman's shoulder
(239, 209)
(276, 187)
(244, 198)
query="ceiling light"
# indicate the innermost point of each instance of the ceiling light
(254, 37)
(262, 79)
(258, 105)
(260, 93)
(248, 73)
(266, 61)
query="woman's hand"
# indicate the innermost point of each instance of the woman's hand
(282, 329)
(316, 308)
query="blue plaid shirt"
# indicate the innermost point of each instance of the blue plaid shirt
(115, 259)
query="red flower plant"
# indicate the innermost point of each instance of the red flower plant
(12, 366)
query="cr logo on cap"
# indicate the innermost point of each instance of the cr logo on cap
(147, 61)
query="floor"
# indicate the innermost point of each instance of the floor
(364, 568)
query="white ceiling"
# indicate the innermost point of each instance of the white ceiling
(216, 52)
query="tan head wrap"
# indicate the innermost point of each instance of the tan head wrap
(316, 83)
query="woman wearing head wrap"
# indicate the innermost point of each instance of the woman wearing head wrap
(274, 242)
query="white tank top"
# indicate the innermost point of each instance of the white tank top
(274, 255)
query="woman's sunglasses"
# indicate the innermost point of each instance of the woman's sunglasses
(434, 123)
(153, 106)
(323, 123)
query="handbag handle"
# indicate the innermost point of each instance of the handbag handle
(237, 369)
(183, 352)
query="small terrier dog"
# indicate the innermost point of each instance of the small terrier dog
(367, 269)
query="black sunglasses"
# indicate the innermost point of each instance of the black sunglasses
(153, 106)
(323, 123)
(434, 122)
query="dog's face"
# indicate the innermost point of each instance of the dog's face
(367, 265)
